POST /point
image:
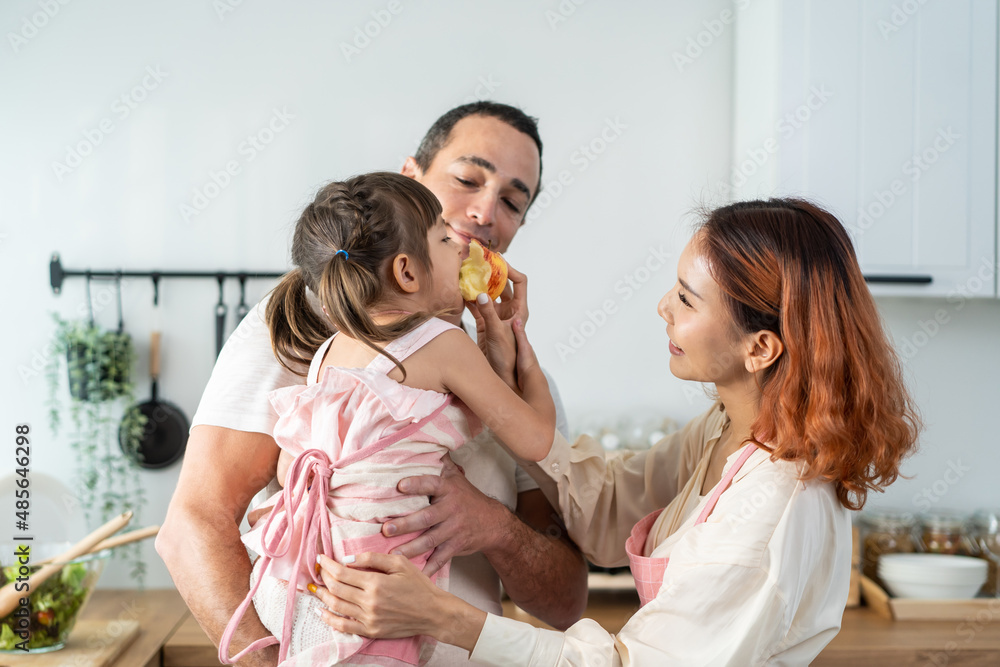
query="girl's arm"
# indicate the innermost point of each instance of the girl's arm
(526, 424)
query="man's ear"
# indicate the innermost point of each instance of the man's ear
(765, 347)
(404, 271)
(411, 168)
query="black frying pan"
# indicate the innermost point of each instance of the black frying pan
(165, 434)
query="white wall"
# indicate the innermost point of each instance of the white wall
(606, 62)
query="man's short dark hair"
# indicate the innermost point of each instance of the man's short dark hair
(437, 137)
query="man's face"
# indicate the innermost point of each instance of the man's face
(484, 177)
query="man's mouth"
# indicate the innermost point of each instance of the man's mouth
(466, 239)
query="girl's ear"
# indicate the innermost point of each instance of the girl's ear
(404, 270)
(765, 349)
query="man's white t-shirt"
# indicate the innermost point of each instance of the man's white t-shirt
(236, 398)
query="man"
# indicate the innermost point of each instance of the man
(483, 161)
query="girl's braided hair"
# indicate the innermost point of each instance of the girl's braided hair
(343, 246)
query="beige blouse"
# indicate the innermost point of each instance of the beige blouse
(762, 582)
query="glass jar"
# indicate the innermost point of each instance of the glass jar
(986, 536)
(886, 532)
(944, 532)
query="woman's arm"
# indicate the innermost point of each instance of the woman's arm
(524, 423)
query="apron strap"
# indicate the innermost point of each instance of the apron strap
(725, 482)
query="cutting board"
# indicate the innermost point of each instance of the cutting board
(93, 643)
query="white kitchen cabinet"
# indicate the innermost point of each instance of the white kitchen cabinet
(885, 111)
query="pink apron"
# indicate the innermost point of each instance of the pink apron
(648, 572)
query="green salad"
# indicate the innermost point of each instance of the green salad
(53, 607)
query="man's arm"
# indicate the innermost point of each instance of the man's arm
(200, 538)
(541, 569)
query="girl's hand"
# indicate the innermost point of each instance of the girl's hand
(496, 339)
(394, 599)
(526, 360)
(514, 300)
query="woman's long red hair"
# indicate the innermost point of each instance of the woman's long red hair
(835, 400)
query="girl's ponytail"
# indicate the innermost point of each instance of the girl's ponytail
(296, 330)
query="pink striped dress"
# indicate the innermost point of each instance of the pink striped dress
(355, 433)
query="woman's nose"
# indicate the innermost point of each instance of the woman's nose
(663, 308)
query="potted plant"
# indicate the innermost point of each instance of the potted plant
(99, 366)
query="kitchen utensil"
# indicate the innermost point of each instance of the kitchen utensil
(10, 596)
(90, 302)
(220, 318)
(242, 309)
(112, 542)
(53, 607)
(932, 576)
(164, 437)
(118, 294)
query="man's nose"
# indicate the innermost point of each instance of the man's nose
(483, 208)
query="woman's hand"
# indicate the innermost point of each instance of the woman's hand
(393, 599)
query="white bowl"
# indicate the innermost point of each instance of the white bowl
(932, 576)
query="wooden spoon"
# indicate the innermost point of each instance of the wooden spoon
(111, 542)
(10, 597)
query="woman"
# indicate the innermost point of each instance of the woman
(749, 562)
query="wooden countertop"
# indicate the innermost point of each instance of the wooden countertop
(158, 612)
(172, 638)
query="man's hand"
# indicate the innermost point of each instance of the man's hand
(459, 521)
(540, 567)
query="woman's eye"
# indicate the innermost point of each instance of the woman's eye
(464, 181)
(683, 298)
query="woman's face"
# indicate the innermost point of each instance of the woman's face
(704, 345)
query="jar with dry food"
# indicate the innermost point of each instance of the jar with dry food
(944, 532)
(886, 532)
(986, 536)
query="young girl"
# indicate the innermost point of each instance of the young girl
(737, 528)
(376, 251)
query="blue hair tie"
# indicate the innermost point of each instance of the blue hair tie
(342, 252)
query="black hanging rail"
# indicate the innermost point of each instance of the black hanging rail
(57, 274)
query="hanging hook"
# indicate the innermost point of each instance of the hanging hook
(90, 304)
(156, 288)
(220, 316)
(242, 309)
(118, 287)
